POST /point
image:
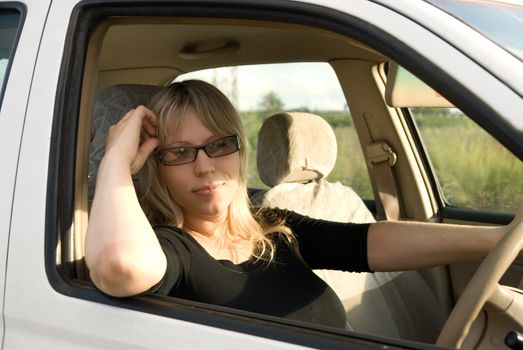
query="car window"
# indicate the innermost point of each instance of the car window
(502, 22)
(259, 91)
(9, 21)
(267, 90)
(474, 170)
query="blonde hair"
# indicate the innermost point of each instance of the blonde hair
(219, 116)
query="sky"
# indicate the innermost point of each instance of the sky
(310, 85)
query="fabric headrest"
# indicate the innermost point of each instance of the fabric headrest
(295, 147)
(110, 106)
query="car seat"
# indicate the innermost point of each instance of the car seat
(296, 152)
(110, 106)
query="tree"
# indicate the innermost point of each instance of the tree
(271, 103)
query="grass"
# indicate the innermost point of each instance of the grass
(473, 170)
(350, 167)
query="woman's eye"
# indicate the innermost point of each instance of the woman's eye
(181, 152)
(216, 147)
(220, 144)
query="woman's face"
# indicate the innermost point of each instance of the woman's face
(205, 187)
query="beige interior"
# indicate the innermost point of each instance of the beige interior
(399, 305)
(503, 303)
(157, 52)
(154, 51)
(287, 152)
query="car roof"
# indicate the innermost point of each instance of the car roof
(183, 45)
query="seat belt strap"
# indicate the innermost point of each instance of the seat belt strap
(382, 158)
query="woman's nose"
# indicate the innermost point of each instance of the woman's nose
(203, 165)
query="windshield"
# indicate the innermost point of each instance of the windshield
(501, 21)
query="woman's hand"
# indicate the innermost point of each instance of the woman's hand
(133, 138)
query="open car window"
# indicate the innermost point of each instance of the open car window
(103, 57)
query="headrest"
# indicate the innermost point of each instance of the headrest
(295, 147)
(111, 105)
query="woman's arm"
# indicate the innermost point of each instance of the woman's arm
(396, 246)
(122, 251)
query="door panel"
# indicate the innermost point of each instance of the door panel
(20, 32)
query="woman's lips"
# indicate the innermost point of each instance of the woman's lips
(208, 189)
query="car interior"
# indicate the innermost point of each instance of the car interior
(130, 58)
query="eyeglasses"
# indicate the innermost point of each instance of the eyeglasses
(183, 155)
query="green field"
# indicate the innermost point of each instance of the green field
(473, 170)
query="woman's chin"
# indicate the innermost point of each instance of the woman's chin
(215, 210)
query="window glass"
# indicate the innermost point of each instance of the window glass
(8, 29)
(473, 169)
(259, 91)
(500, 21)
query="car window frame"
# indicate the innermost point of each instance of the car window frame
(60, 195)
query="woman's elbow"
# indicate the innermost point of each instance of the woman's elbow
(120, 274)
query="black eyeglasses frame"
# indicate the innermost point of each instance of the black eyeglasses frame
(159, 153)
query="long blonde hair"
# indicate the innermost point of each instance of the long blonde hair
(219, 116)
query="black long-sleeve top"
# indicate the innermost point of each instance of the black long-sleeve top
(284, 287)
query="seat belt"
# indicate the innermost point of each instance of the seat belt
(382, 158)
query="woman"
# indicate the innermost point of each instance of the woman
(207, 245)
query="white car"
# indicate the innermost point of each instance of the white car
(430, 94)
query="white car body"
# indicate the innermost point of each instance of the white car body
(36, 315)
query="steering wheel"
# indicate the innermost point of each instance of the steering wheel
(480, 288)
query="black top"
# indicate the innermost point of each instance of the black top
(285, 287)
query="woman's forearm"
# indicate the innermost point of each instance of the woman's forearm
(122, 251)
(396, 246)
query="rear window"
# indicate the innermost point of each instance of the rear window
(9, 24)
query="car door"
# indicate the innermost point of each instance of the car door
(20, 33)
(36, 314)
(45, 305)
